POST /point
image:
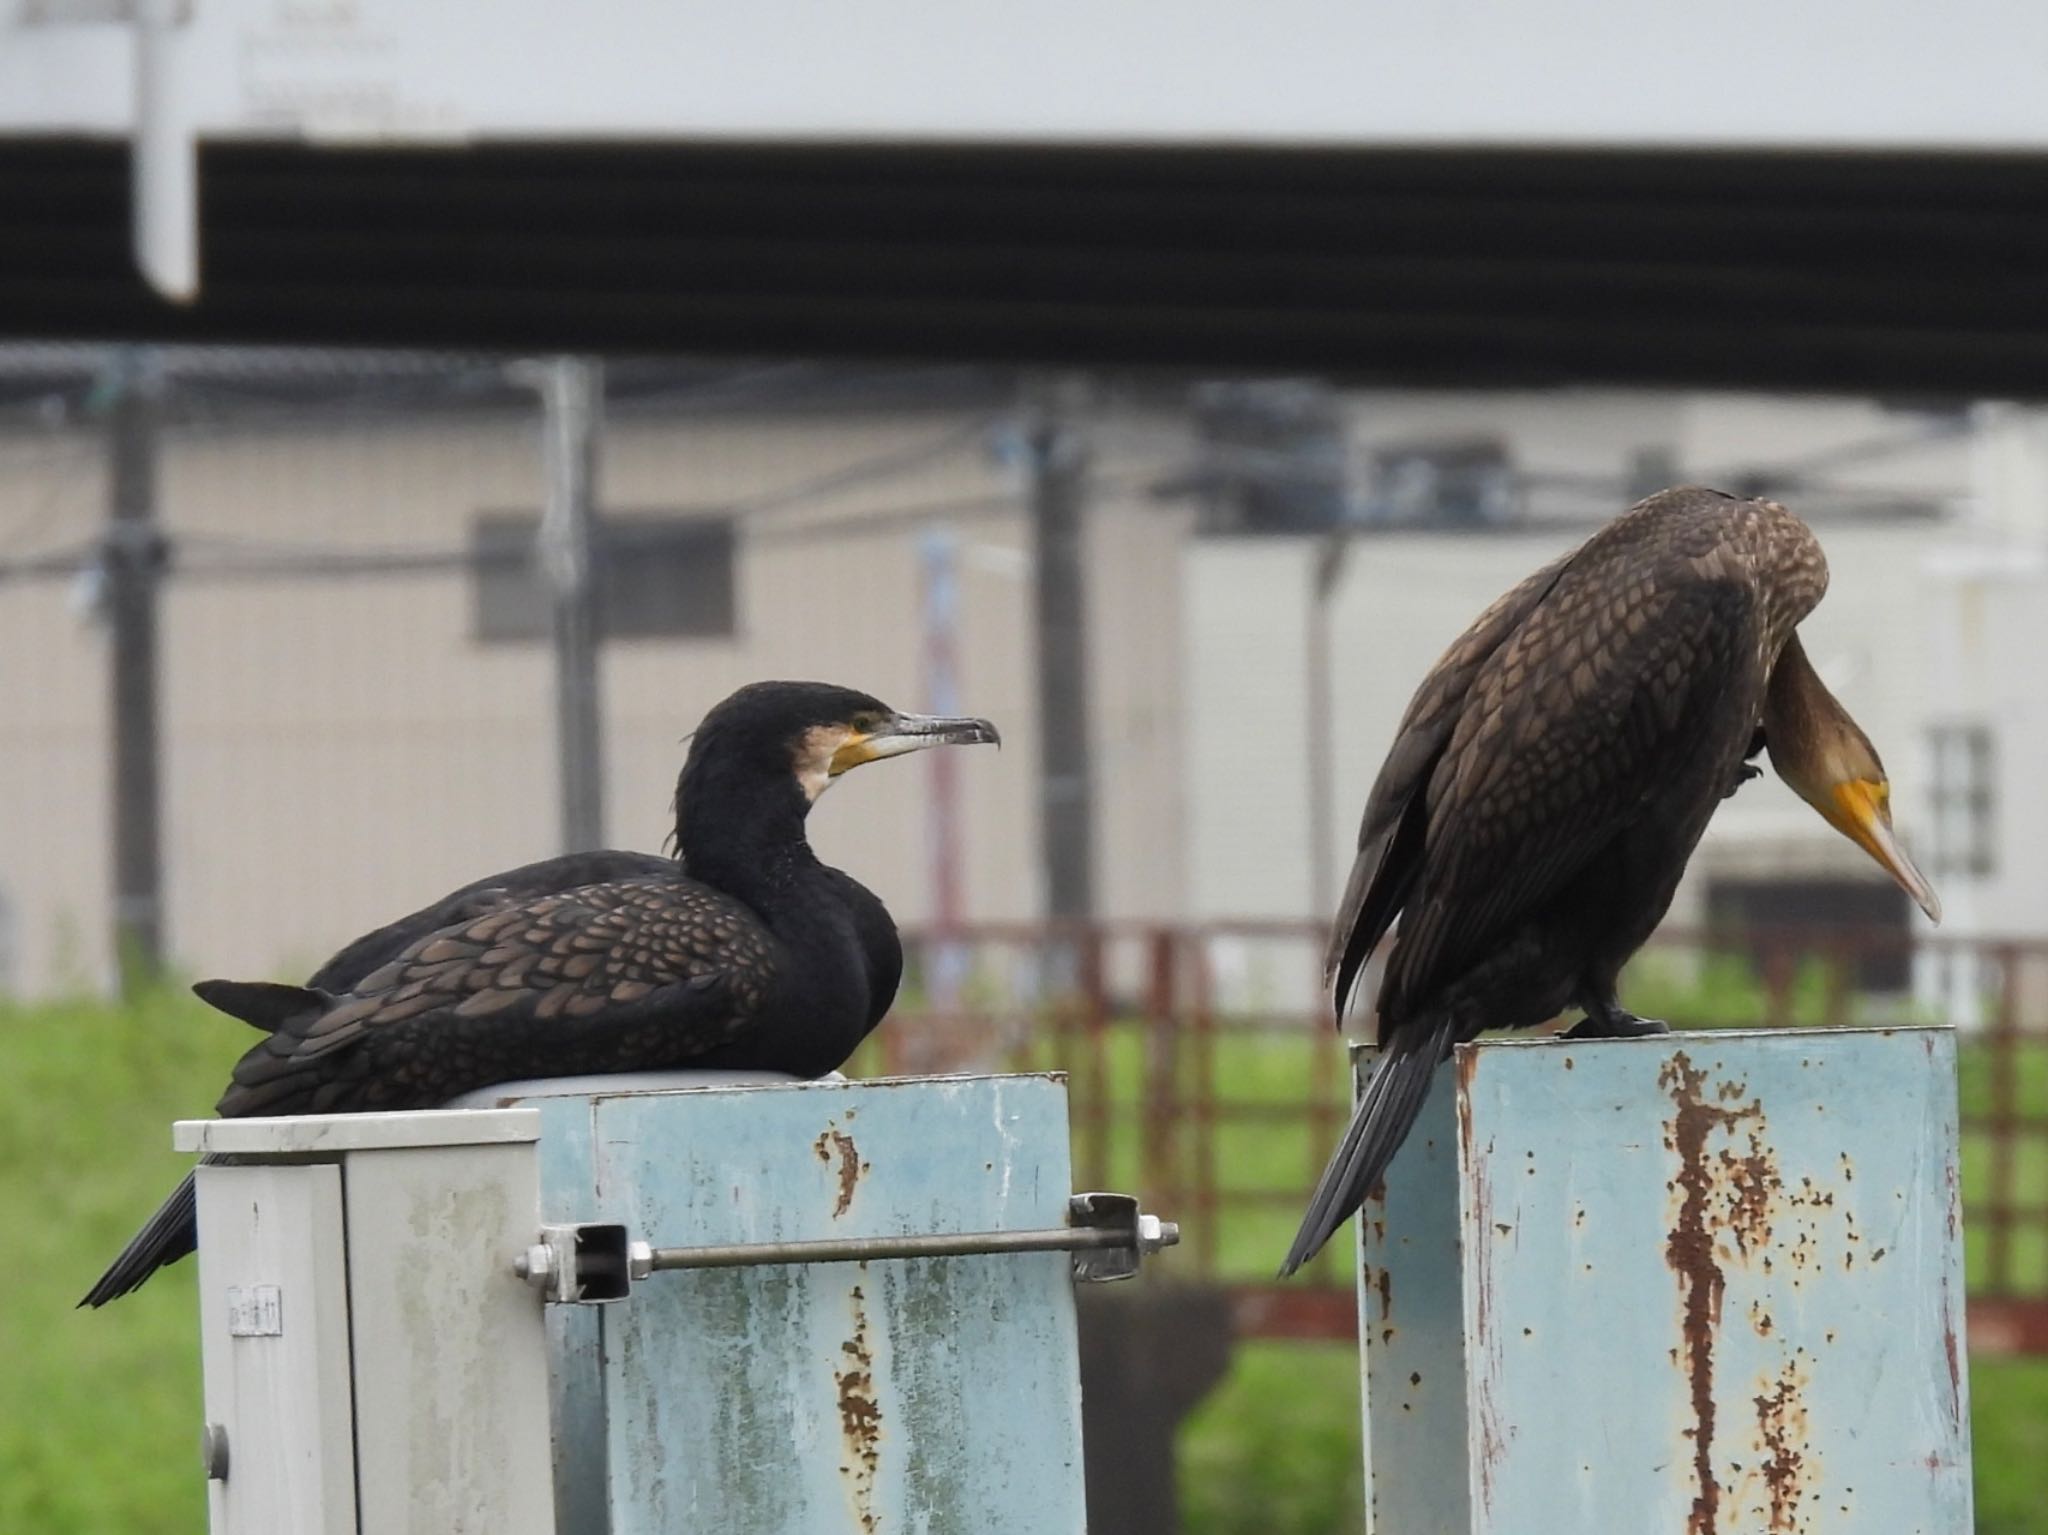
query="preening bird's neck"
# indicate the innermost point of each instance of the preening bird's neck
(1804, 725)
(1794, 700)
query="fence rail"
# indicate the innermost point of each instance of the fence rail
(1205, 1072)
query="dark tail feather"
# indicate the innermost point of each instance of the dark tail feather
(262, 1004)
(171, 1233)
(1386, 1112)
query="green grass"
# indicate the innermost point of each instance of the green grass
(1274, 1450)
(100, 1412)
(2009, 1424)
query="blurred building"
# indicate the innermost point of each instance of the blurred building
(355, 659)
(1934, 525)
(356, 668)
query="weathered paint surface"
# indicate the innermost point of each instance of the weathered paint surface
(450, 1365)
(1709, 1284)
(386, 1243)
(575, 1333)
(1413, 1325)
(282, 1392)
(916, 1397)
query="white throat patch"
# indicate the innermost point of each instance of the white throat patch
(814, 758)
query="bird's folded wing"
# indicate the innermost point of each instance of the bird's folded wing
(590, 960)
(1388, 849)
(1614, 682)
(528, 882)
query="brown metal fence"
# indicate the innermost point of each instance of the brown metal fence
(1206, 1074)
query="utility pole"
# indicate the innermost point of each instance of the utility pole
(1057, 453)
(946, 961)
(132, 559)
(1330, 555)
(572, 395)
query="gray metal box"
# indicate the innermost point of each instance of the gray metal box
(1704, 1284)
(372, 1363)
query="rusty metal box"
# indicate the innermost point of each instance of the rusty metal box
(1699, 1284)
(891, 1397)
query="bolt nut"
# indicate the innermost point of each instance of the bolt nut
(1154, 1233)
(639, 1260)
(536, 1265)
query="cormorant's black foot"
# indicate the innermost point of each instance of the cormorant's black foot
(1743, 774)
(1616, 1024)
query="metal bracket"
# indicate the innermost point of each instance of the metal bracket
(1136, 1233)
(585, 1264)
(1108, 1235)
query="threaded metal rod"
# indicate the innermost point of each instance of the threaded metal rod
(1149, 1238)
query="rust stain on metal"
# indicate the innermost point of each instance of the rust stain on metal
(834, 1141)
(1738, 1203)
(1494, 1434)
(1955, 1373)
(1384, 1283)
(1781, 1422)
(1752, 1180)
(1466, 1064)
(860, 1415)
(1482, 1197)
(1493, 1447)
(1948, 1305)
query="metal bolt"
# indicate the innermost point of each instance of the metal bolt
(213, 1451)
(639, 1260)
(1154, 1233)
(536, 1265)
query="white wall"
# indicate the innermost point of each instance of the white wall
(339, 751)
(1245, 747)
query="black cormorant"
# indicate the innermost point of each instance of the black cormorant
(1552, 776)
(746, 953)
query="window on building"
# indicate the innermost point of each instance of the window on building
(658, 576)
(1964, 800)
(1464, 483)
(1271, 457)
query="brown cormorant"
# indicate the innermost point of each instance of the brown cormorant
(1553, 774)
(743, 952)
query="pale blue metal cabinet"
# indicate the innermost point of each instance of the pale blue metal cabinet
(1704, 1284)
(889, 1397)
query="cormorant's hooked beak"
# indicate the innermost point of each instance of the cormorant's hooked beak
(902, 733)
(1863, 815)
